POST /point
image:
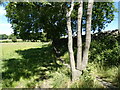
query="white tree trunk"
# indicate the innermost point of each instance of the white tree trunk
(88, 34)
(79, 37)
(70, 41)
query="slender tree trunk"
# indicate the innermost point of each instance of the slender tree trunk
(70, 41)
(79, 37)
(88, 34)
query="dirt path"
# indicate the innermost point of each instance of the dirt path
(105, 83)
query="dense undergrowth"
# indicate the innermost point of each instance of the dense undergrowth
(35, 66)
(105, 57)
(104, 62)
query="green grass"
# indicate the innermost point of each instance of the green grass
(32, 64)
(26, 64)
(8, 49)
(107, 74)
(10, 41)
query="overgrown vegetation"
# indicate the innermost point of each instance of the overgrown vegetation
(104, 63)
(29, 64)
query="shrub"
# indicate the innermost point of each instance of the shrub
(105, 51)
(5, 41)
(14, 39)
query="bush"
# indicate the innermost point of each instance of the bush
(5, 41)
(105, 51)
(14, 39)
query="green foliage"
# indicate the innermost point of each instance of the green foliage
(14, 39)
(66, 57)
(30, 64)
(108, 74)
(33, 18)
(6, 41)
(60, 80)
(105, 50)
(30, 18)
(118, 77)
(87, 79)
(104, 59)
(104, 12)
(3, 36)
(43, 37)
(12, 35)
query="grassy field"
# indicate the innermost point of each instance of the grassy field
(24, 63)
(9, 49)
(9, 40)
(32, 64)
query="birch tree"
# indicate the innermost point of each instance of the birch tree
(79, 37)
(81, 61)
(88, 34)
(70, 40)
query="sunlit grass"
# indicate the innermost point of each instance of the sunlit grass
(8, 49)
(19, 68)
(105, 73)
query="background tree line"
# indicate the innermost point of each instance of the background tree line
(4, 36)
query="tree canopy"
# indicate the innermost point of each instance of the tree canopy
(32, 19)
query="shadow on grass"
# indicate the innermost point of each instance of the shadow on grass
(34, 62)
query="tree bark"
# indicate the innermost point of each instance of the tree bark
(70, 41)
(79, 37)
(118, 31)
(88, 34)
